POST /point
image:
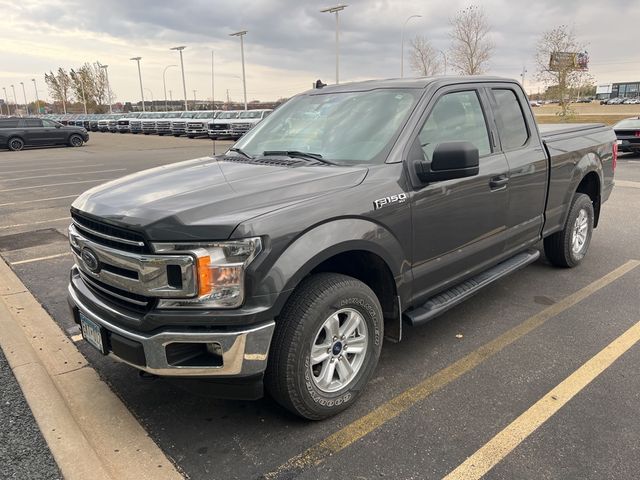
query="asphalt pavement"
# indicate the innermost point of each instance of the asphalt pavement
(461, 379)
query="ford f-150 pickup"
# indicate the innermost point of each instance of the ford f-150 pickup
(350, 210)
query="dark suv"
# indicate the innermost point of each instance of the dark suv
(17, 133)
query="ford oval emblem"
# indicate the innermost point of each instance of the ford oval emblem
(90, 260)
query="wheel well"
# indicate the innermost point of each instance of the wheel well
(590, 185)
(373, 271)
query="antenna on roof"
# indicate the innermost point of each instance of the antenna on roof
(319, 84)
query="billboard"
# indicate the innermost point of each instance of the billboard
(569, 61)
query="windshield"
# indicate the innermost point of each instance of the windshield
(205, 115)
(228, 115)
(628, 123)
(250, 114)
(187, 115)
(350, 127)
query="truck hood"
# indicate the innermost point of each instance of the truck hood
(207, 198)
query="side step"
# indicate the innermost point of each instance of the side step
(442, 302)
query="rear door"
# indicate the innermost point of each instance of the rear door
(459, 224)
(528, 167)
(53, 132)
(32, 131)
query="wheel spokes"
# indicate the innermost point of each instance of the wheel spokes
(345, 370)
(319, 353)
(357, 345)
(351, 323)
(326, 374)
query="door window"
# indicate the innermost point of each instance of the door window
(30, 122)
(456, 117)
(49, 123)
(513, 127)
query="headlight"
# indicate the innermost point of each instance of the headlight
(220, 269)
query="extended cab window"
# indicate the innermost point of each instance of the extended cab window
(49, 123)
(456, 117)
(513, 127)
(30, 122)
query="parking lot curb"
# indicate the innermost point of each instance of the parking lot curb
(90, 432)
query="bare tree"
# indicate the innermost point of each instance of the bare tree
(471, 47)
(424, 58)
(90, 81)
(556, 55)
(59, 84)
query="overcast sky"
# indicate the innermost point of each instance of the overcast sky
(290, 43)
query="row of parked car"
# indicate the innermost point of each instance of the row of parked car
(620, 101)
(216, 124)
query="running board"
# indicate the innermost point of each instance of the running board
(442, 302)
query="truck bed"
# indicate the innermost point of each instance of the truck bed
(549, 131)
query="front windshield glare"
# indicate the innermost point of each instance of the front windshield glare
(350, 127)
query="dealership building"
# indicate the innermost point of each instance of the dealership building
(623, 90)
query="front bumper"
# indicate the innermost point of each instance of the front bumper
(234, 353)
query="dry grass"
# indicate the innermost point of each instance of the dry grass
(606, 119)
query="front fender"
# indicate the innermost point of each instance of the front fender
(323, 241)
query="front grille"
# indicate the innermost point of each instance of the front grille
(164, 125)
(195, 125)
(220, 126)
(110, 236)
(118, 296)
(123, 122)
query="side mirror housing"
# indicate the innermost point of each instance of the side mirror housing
(450, 160)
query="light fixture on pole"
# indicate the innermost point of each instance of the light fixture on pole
(24, 93)
(402, 42)
(6, 99)
(106, 73)
(184, 84)
(37, 97)
(137, 59)
(164, 86)
(337, 9)
(241, 34)
(15, 99)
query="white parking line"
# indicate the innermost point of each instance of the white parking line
(48, 257)
(50, 168)
(55, 184)
(38, 200)
(65, 174)
(35, 223)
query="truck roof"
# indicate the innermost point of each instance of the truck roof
(418, 83)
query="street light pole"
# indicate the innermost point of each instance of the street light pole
(184, 85)
(24, 93)
(444, 58)
(241, 34)
(402, 51)
(213, 98)
(106, 73)
(137, 59)
(15, 99)
(524, 72)
(37, 97)
(194, 99)
(6, 98)
(151, 95)
(164, 86)
(337, 9)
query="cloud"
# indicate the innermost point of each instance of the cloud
(289, 44)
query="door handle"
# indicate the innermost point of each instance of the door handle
(499, 182)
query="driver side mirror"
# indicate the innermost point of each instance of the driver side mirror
(450, 160)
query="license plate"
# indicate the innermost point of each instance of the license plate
(619, 142)
(92, 332)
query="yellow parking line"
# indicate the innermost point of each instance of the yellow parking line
(48, 257)
(405, 400)
(517, 431)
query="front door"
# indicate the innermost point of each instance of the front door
(458, 225)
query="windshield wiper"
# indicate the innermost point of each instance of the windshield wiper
(298, 154)
(241, 152)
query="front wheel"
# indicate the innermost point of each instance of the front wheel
(15, 144)
(569, 246)
(75, 141)
(326, 346)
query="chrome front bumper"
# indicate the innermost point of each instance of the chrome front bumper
(244, 352)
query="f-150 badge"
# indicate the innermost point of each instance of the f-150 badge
(383, 202)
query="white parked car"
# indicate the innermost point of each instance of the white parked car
(179, 125)
(199, 124)
(247, 120)
(123, 122)
(220, 127)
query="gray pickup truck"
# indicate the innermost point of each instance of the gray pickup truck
(350, 210)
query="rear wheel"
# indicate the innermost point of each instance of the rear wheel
(569, 246)
(15, 144)
(75, 141)
(325, 347)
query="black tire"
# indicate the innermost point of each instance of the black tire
(75, 140)
(559, 247)
(15, 144)
(289, 372)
